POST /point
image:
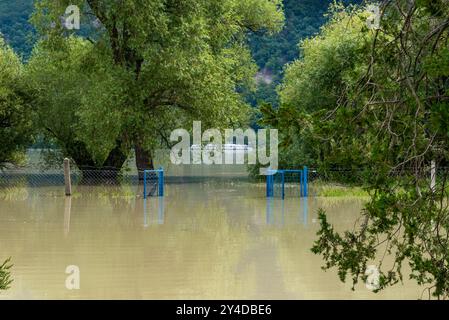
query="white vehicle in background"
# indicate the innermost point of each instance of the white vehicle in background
(211, 147)
(228, 147)
(195, 147)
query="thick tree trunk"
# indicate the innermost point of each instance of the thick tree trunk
(116, 158)
(78, 152)
(109, 173)
(144, 160)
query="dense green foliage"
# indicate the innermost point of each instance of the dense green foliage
(332, 61)
(271, 52)
(303, 19)
(151, 67)
(15, 110)
(5, 274)
(377, 100)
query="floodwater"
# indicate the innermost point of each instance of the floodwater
(201, 241)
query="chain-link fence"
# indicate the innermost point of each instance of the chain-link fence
(352, 181)
(118, 182)
(104, 176)
(320, 182)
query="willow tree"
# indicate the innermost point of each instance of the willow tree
(15, 110)
(313, 86)
(151, 66)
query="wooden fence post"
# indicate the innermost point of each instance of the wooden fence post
(67, 181)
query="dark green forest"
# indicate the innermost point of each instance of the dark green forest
(14, 24)
(303, 18)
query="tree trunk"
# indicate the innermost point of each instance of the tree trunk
(116, 158)
(109, 173)
(144, 160)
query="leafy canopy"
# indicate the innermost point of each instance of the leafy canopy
(150, 67)
(15, 110)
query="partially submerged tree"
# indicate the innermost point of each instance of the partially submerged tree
(63, 84)
(161, 64)
(15, 110)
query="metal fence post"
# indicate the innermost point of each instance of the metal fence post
(306, 181)
(270, 183)
(161, 182)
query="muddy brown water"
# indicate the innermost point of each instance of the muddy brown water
(201, 241)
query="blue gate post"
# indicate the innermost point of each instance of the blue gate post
(144, 184)
(270, 180)
(283, 185)
(303, 182)
(306, 181)
(267, 186)
(161, 182)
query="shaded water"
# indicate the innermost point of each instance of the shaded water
(202, 241)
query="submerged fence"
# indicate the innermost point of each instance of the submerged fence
(347, 181)
(56, 177)
(153, 183)
(295, 182)
(285, 184)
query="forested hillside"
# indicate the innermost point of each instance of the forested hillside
(303, 19)
(14, 24)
